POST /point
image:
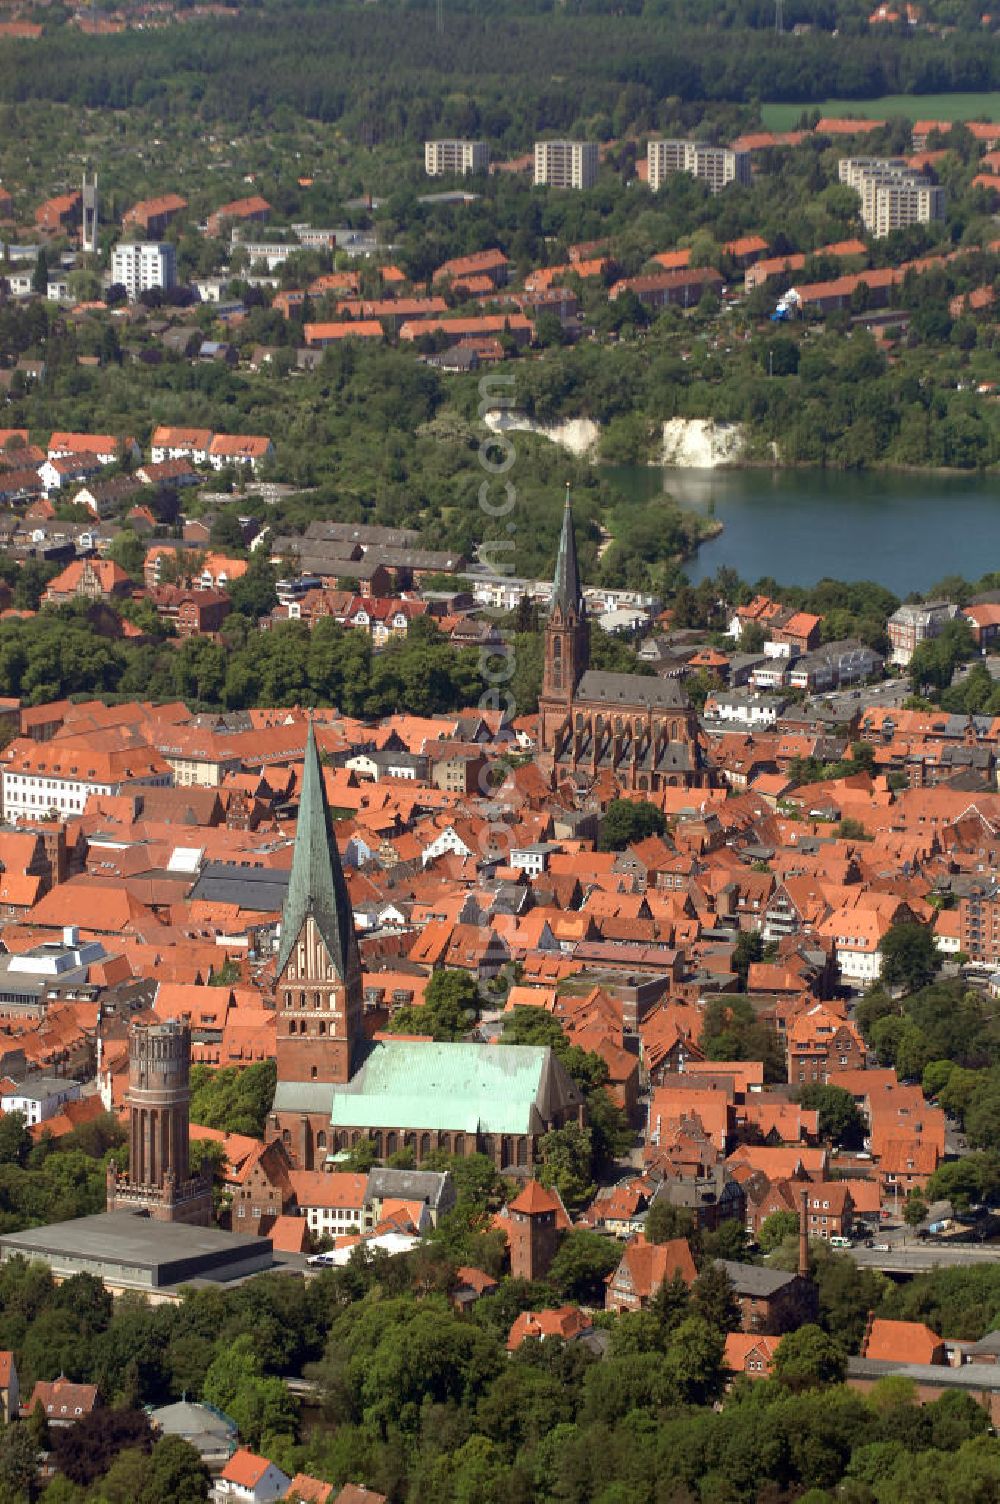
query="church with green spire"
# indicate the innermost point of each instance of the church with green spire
(627, 733)
(336, 1086)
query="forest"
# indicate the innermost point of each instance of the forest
(499, 66)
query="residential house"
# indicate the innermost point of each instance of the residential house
(750, 1353)
(169, 443)
(830, 1209)
(818, 1042)
(88, 579)
(567, 1322)
(62, 1402)
(249, 1479)
(643, 1268)
(249, 450)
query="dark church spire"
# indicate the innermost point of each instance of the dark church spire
(566, 585)
(316, 885)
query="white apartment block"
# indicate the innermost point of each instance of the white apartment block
(455, 158)
(900, 204)
(892, 194)
(565, 164)
(142, 265)
(716, 166)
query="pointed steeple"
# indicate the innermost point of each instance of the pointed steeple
(316, 886)
(566, 585)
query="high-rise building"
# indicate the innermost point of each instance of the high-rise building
(455, 158)
(159, 1180)
(892, 194)
(565, 164)
(899, 204)
(89, 212)
(716, 166)
(142, 265)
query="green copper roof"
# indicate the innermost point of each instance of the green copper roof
(566, 585)
(454, 1088)
(316, 885)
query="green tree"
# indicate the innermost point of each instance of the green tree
(566, 1155)
(749, 949)
(775, 1228)
(448, 1011)
(627, 821)
(914, 1209)
(19, 1470)
(840, 1121)
(15, 1140)
(713, 1298)
(807, 1358)
(40, 275)
(582, 1263)
(910, 959)
(129, 552)
(175, 1474)
(665, 1222)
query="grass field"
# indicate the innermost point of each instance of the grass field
(783, 117)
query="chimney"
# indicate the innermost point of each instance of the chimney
(804, 1235)
(71, 935)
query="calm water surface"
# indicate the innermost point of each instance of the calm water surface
(905, 531)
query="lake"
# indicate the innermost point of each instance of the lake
(905, 531)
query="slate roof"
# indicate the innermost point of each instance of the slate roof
(597, 685)
(262, 890)
(751, 1279)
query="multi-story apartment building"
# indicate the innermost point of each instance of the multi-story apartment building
(892, 194)
(717, 166)
(565, 164)
(911, 625)
(455, 158)
(979, 923)
(899, 204)
(141, 265)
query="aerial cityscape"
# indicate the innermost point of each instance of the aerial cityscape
(499, 752)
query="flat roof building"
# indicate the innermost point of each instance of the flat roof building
(133, 1252)
(892, 194)
(716, 166)
(143, 265)
(455, 158)
(565, 164)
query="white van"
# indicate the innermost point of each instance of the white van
(840, 1242)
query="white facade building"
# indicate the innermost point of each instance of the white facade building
(142, 265)
(565, 164)
(40, 1097)
(455, 158)
(716, 166)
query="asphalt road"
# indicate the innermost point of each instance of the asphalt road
(921, 1258)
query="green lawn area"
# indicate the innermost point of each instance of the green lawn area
(783, 117)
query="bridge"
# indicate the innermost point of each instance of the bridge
(909, 1258)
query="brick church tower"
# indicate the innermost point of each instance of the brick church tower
(567, 635)
(533, 1233)
(318, 986)
(159, 1180)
